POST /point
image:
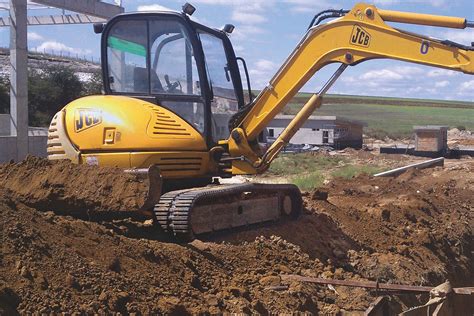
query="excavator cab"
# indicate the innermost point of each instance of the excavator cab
(167, 59)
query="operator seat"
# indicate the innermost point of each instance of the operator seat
(140, 81)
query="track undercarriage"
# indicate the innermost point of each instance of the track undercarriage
(191, 212)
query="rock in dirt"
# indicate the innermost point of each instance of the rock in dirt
(271, 280)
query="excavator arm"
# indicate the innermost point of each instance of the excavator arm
(359, 35)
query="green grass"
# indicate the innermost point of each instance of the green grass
(301, 97)
(308, 181)
(308, 171)
(293, 164)
(350, 171)
(395, 120)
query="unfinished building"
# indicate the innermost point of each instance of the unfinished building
(333, 131)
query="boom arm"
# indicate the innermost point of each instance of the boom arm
(358, 36)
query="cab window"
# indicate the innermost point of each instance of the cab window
(224, 103)
(127, 57)
(155, 57)
(172, 68)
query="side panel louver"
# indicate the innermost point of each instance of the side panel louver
(164, 125)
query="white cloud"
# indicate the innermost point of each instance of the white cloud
(265, 65)
(467, 86)
(391, 74)
(34, 36)
(238, 48)
(406, 81)
(441, 73)
(153, 7)
(382, 74)
(311, 6)
(221, 2)
(434, 3)
(409, 70)
(415, 89)
(442, 84)
(247, 17)
(242, 32)
(465, 36)
(57, 47)
(262, 71)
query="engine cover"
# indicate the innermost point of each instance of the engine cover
(119, 123)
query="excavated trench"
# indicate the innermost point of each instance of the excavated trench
(414, 229)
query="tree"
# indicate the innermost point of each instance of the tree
(49, 89)
(93, 86)
(4, 95)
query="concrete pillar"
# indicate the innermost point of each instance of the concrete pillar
(19, 76)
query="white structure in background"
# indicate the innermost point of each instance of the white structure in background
(330, 131)
(89, 11)
(37, 139)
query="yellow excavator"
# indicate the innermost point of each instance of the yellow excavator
(174, 107)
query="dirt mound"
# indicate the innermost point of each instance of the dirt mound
(415, 229)
(54, 263)
(68, 188)
(423, 220)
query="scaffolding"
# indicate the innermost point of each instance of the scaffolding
(85, 11)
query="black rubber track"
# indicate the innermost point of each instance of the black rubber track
(173, 211)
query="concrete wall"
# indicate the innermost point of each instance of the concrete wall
(4, 124)
(323, 130)
(37, 138)
(434, 140)
(36, 147)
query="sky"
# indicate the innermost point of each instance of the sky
(268, 30)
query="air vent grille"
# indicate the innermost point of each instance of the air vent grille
(54, 147)
(180, 163)
(165, 125)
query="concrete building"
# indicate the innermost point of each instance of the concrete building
(90, 11)
(37, 138)
(431, 138)
(331, 131)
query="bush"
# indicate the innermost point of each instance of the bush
(94, 85)
(49, 89)
(4, 95)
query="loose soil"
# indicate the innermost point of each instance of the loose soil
(63, 186)
(414, 229)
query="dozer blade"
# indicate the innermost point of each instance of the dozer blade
(155, 184)
(187, 213)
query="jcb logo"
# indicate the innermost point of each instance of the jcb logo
(85, 118)
(360, 37)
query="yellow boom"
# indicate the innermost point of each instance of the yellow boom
(358, 36)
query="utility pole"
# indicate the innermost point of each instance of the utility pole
(19, 76)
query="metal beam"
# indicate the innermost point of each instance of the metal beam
(57, 19)
(371, 284)
(19, 76)
(89, 7)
